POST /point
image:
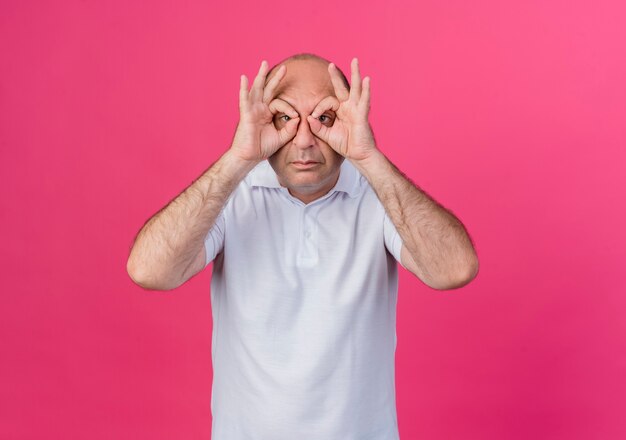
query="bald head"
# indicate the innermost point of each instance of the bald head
(309, 60)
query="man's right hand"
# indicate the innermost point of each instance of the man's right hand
(256, 137)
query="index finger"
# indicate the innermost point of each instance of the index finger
(278, 105)
(328, 103)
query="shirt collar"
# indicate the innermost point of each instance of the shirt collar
(264, 175)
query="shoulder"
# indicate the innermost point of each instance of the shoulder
(352, 182)
(363, 189)
(254, 193)
(262, 175)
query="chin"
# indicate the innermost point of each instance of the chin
(305, 181)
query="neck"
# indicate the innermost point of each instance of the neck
(313, 194)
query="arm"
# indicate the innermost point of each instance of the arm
(436, 248)
(169, 249)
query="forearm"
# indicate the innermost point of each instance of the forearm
(170, 240)
(436, 240)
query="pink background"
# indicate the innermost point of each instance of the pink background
(511, 114)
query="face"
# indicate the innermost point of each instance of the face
(305, 84)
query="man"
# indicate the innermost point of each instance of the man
(305, 245)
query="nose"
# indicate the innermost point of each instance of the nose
(304, 137)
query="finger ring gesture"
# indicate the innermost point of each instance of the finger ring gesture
(351, 134)
(256, 137)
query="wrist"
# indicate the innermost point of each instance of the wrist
(227, 171)
(238, 164)
(374, 164)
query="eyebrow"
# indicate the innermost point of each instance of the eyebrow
(294, 107)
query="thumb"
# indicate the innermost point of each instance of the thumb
(318, 129)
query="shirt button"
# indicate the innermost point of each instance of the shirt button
(307, 234)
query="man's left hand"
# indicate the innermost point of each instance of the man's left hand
(351, 134)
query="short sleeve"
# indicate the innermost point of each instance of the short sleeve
(214, 241)
(393, 242)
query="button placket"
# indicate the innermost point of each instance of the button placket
(308, 252)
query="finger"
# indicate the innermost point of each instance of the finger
(328, 103)
(243, 91)
(341, 91)
(318, 129)
(257, 86)
(364, 103)
(268, 93)
(355, 81)
(279, 106)
(289, 131)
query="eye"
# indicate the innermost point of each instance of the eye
(280, 121)
(285, 116)
(323, 116)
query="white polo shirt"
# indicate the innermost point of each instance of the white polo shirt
(304, 300)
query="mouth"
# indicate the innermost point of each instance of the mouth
(303, 165)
